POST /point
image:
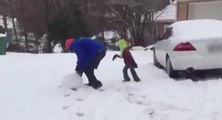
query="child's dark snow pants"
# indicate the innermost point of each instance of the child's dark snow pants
(133, 72)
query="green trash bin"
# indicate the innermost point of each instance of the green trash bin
(2, 45)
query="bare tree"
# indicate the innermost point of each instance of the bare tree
(13, 23)
(95, 17)
(4, 11)
(134, 16)
(31, 19)
(125, 16)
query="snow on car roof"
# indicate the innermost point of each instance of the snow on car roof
(197, 29)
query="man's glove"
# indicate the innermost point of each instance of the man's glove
(79, 73)
(135, 64)
(115, 56)
(78, 70)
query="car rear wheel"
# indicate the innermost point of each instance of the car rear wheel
(155, 61)
(169, 69)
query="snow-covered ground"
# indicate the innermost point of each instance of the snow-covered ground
(30, 89)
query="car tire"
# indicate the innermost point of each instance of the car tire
(155, 61)
(169, 69)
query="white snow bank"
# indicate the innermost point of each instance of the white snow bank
(57, 48)
(2, 35)
(137, 48)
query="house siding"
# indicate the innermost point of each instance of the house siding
(182, 11)
(160, 28)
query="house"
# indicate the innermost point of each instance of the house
(165, 17)
(199, 9)
(188, 10)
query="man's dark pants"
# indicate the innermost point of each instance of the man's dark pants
(89, 71)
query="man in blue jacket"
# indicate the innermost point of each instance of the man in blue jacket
(89, 54)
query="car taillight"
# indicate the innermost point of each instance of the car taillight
(184, 47)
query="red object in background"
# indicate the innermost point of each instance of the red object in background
(68, 43)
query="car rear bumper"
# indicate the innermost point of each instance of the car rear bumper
(196, 62)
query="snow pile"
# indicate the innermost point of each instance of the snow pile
(72, 81)
(57, 48)
(2, 35)
(138, 48)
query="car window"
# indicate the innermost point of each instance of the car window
(167, 34)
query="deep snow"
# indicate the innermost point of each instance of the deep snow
(30, 89)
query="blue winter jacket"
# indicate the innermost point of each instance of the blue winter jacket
(86, 50)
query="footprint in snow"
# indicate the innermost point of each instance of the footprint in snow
(65, 107)
(79, 99)
(67, 95)
(80, 114)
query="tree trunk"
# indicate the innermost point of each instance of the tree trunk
(13, 24)
(26, 40)
(86, 6)
(103, 36)
(5, 23)
(124, 17)
(15, 34)
(138, 39)
(37, 44)
(24, 25)
(48, 38)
